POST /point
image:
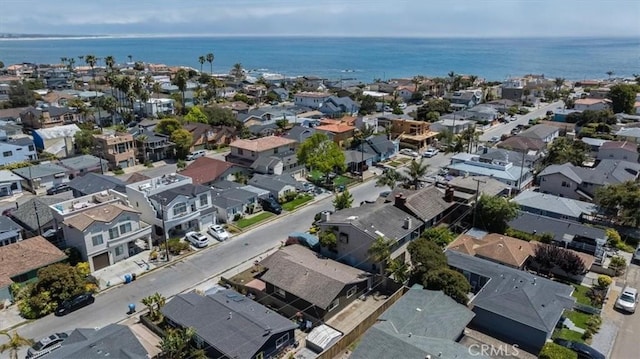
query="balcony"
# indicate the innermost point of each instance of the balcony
(143, 231)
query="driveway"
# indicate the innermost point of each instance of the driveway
(626, 343)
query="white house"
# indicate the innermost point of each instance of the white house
(58, 140)
(10, 183)
(17, 150)
(593, 104)
(310, 99)
(516, 177)
(159, 106)
(456, 126)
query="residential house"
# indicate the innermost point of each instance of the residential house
(20, 262)
(406, 92)
(281, 93)
(512, 89)
(357, 161)
(113, 341)
(39, 178)
(594, 144)
(47, 117)
(599, 93)
(554, 206)
(467, 189)
(357, 228)
(518, 158)
(560, 114)
(421, 324)
(619, 150)
(427, 204)
(277, 185)
(206, 171)
(545, 133)
(230, 325)
(156, 107)
(17, 150)
(233, 202)
(173, 204)
(464, 99)
(310, 99)
(591, 104)
(117, 148)
(417, 135)
(631, 134)
(336, 106)
(151, 146)
(269, 129)
(93, 183)
(35, 216)
(484, 113)
(203, 134)
(300, 133)
(10, 183)
(338, 132)
(517, 177)
(269, 154)
(566, 234)
(58, 140)
(137, 177)
(295, 276)
(80, 165)
(102, 228)
(10, 231)
(380, 146)
(451, 125)
(510, 304)
(523, 144)
(567, 180)
(498, 248)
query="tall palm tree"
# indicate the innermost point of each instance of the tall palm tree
(110, 62)
(130, 57)
(176, 343)
(398, 270)
(237, 72)
(558, 82)
(71, 62)
(469, 136)
(91, 60)
(610, 73)
(389, 178)
(415, 171)
(380, 251)
(180, 80)
(201, 60)
(473, 79)
(209, 57)
(14, 343)
(417, 82)
(156, 88)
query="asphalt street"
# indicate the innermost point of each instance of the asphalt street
(626, 343)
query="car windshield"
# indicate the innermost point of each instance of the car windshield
(38, 346)
(627, 298)
(218, 229)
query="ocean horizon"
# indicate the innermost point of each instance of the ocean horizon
(363, 58)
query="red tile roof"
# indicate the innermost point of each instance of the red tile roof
(205, 170)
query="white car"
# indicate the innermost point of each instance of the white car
(409, 152)
(46, 345)
(627, 300)
(197, 239)
(494, 139)
(218, 232)
(430, 152)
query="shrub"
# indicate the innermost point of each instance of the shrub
(593, 324)
(176, 246)
(604, 281)
(118, 171)
(237, 217)
(181, 164)
(148, 164)
(153, 255)
(618, 264)
(555, 351)
(83, 268)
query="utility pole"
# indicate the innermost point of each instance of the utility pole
(164, 230)
(475, 205)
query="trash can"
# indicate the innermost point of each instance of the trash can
(127, 278)
(133, 277)
(132, 308)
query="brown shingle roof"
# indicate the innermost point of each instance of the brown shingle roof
(495, 247)
(204, 169)
(25, 256)
(262, 144)
(522, 143)
(335, 128)
(105, 213)
(137, 177)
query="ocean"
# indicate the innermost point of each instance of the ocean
(362, 58)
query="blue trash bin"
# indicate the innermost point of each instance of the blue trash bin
(127, 278)
(132, 308)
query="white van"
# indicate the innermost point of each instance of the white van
(196, 154)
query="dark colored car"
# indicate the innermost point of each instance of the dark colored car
(58, 188)
(271, 205)
(74, 304)
(584, 351)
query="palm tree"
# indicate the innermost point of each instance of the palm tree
(71, 62)
(91, 60)
(180, 80)
(176, 344)
(201, 60)
(389, 178)
(417, 82)
(558, 82)
(473, 79)
(154, 303)
(14, 343)
(415, 171)
(209, 57)
(469, 136)
(110, 62)
(398, 270)
(610, 73)
(156, 88)
(130, 57)
(237, 72)
(380, 251)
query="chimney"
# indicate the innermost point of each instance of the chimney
(325, 216)
(407, 223)
(400, 200)
(448, 194)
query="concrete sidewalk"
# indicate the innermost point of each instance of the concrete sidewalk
(115, 274)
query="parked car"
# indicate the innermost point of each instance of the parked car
(409, 152)
(58, 188)
(584, 351)
(46, 345)
(74, 304)
(218, 232)
(196, 154)
(197, 239)
(636, 256)
(628, 300)
(430, 152)
(271, 205)
(494, 139)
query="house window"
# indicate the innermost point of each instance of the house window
(343, 238)
(179, 209)
(352, 291)
(240, 152)
(279, 291)
(97, 240)
(334, 304)
(7, 154)
(119, 251)
(566, 184)
(204, 200)
(282, 340)
(31, 148)
(113, 233)
(275, 150)
(124, 228)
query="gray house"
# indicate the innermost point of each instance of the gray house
(421, 324)
(380, 147)
(41, 177)
(230, 325)
(300, 133)
(35, 215)
(554, 206)
(10, 231)
(427, 204)
(94, 183)
(232, 201)
(80, 165)
(511, 304)
(278, 186)
(545, 133)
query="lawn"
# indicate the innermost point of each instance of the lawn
(568, 335)
(343, 181)
(578, 318)
(580, 293)
(291, 205)
(246, 222)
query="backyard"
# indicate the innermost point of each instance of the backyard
(246, 222)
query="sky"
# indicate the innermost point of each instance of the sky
(382, 18)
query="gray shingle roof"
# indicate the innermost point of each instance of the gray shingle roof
(112, 341)
(94, 183)
(307, 275)
(40, 170)
(528, 222)
(540, 131)
(376, 220)
(6, 224)
(21, 141)
(82, 162)
(565, 169)
(514, 294)
(240, 334)
(296, 132)
(606, 172)
(555, 204)
(25, 214)
(427, 203)
(271, 183)
(189, 190)
(351, 156)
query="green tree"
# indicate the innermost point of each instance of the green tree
(380, 250)
(61, 280)
(282, 124)
(84, 141)
(440, 235)
(328, 239)
(368, 105)
(425, 257)
(154, 303)
(494, 213)
(219, 116)
(183, 140)
(209, 57)
(452, 283)
(91, 60)
(435, 105)
(415, 171)
(343, 200)
(623, 98)
(564, 150)
(318, 152)
(14, 343)
(390, 178)
(398, 269)
(196, 114)
(20, 95)
(555, 351)
(180, 80)
(176, 344)
(167, 126)
(1, 65)
(237, 72)
(620, 202)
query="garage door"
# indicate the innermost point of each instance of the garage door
(206, 220)
(101, 261)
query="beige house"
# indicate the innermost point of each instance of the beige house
(117, 148)
(246, 152)
(413, 134)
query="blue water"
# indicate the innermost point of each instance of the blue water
(362, 58)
